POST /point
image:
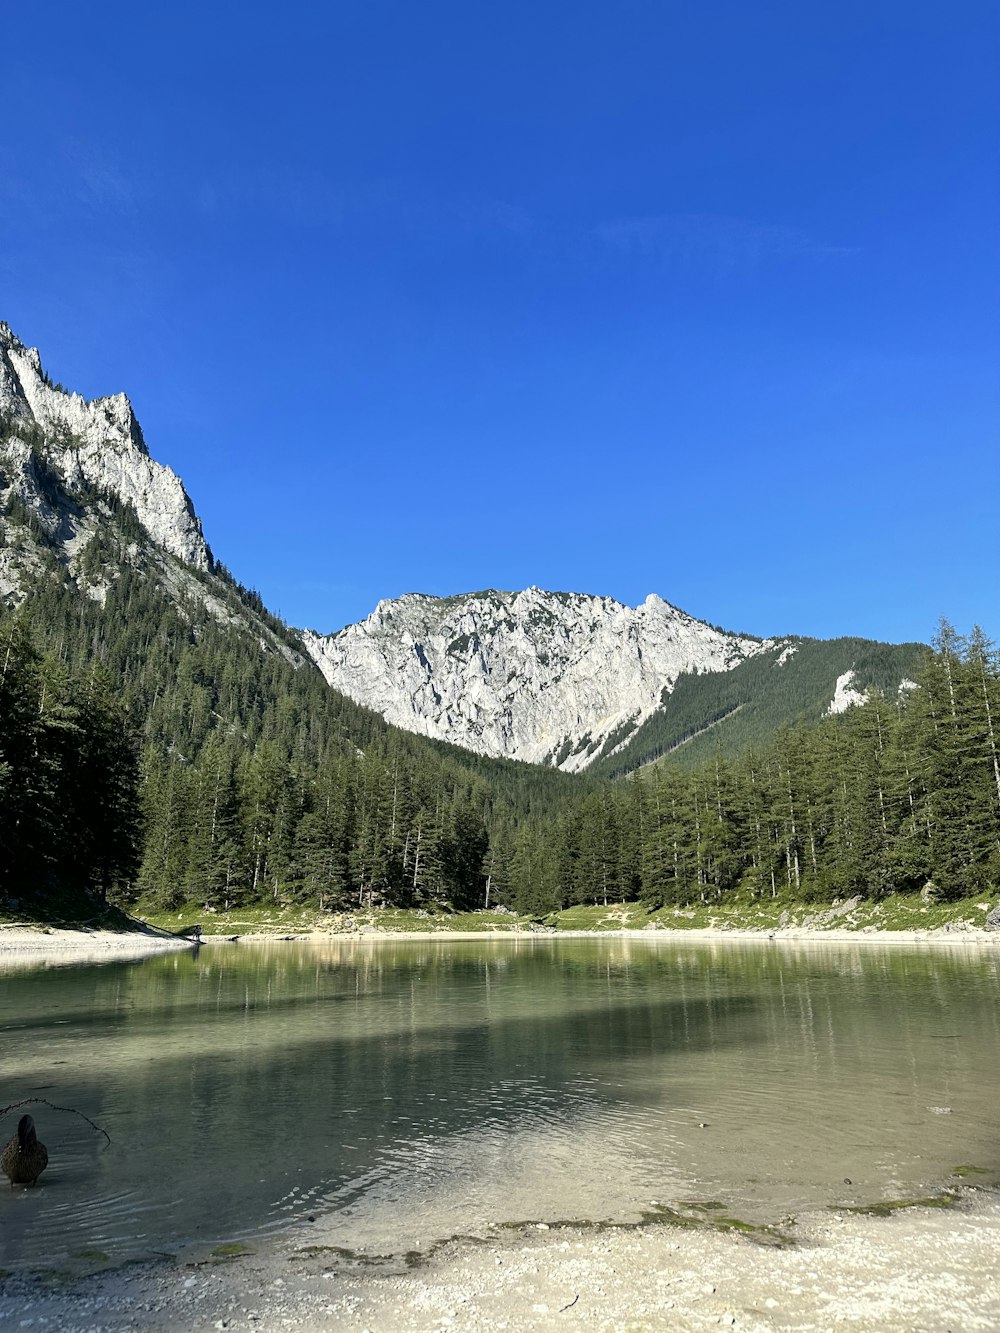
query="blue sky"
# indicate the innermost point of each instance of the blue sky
(698, 299)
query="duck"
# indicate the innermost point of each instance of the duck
(24, 1158)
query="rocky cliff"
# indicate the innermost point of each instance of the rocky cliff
(545, 677)
(82, 502)
(97, 443)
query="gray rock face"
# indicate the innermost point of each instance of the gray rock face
(100, 443)
(65, 466)
(540, 676)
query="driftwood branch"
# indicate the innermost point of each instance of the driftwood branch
(45, 1102)
(571, 1304)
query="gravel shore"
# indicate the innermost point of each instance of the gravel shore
(922, 1268)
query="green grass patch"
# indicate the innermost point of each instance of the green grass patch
(907, 912)
(736, 912)
(292, 919)
(586, 916)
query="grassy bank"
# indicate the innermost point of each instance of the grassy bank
(897, 912)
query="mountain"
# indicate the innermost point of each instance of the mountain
(96, 444)
(585, 682)
(141, 679)
(163, 738)
(546, 677)
(83, 502)
(566, 680)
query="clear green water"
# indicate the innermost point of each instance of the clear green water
(400, 1092)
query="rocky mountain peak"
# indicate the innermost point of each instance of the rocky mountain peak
(547, 677)
(97, 441)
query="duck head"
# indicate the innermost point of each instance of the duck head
(25, 1131)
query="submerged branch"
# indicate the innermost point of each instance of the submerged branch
(45, 1102)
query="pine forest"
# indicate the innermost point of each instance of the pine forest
(150, 753)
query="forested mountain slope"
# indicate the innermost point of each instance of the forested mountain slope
(162, 736)
(586, 683)
(798, 681)
(895, 796)
(255, 776)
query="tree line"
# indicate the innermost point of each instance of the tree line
(888, 797)
(70, 804)
(254, 780)
(151, 751)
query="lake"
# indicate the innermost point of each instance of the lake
(385, 1094)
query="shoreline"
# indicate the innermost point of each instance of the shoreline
(54, 946)
(797, 934)
(926, 1268)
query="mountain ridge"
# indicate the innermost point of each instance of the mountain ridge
(570, 680)
(575, 680)
(534, 675)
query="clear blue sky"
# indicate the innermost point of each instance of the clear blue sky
(694, 298)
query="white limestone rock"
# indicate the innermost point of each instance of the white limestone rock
(540, 676)
(60, 447)
(845, 695)
(100, 442)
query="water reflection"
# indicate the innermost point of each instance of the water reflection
(424, 1087)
